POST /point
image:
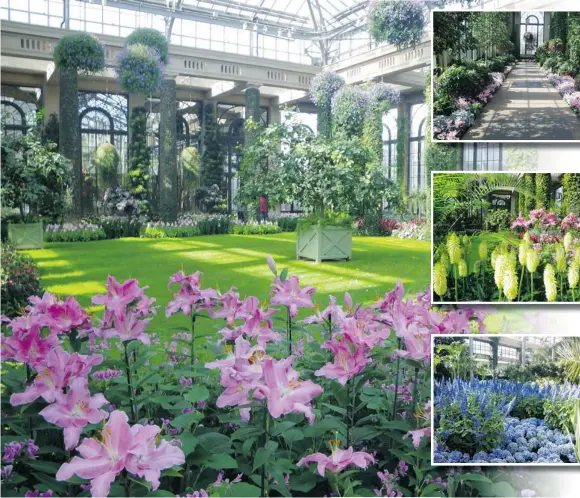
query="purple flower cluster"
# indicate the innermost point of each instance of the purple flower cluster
(565, 86)
(107, 374)
(80, 52)
(72, 227)
(323, 87)
(14, 448)
(139, 70)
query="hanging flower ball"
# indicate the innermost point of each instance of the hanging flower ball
(398, 22)
(150, 38)
(80, 52)
(529, 37)
(139, 70)
(349, 107)
(323, 87)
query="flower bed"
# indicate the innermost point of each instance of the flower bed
(74, 232)
(472, 422)
(254, 228)
(567, 89)
(249, 408)
(541, 263)
(455, 125)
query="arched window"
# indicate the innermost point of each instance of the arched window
(390, 131)
(417, 172)
(17, 116)
(103, 119)
(531, 32)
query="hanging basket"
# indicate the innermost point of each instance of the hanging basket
(528, 37)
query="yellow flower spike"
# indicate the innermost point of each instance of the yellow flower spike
(439, 279)
(512, 260)
(510, 283)
(573, 275)
(568, 239)
(523, 250)
(501, 264)
(483, 251)
(533, 261)
(494, 254)
(453, 248)
(462, 267)
(527, 236)
(560, 258)
(444, 259)
(550, 283)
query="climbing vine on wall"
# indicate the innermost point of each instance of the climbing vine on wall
(559, 26)
(571, 185)
(139, 155)
(530, 182)
(543, 192)
(573, 45)
(323, 87)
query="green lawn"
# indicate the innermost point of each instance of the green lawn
(81, 269)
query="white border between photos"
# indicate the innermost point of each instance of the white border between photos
(437, 302)
(469, 336)
(506, 141)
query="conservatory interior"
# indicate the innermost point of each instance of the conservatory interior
(506, 76)
(209, 207)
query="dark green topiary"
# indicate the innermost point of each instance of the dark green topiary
(139, 155)
(571, 185)
(573, 45)
(212, 171)
(80, 52)
(543, 190)
(252, 102)
(322, 89)
(107, 162)
(150, 38)
(168, 183)
(530, 183)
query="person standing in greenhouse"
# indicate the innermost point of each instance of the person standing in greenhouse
(263, 209)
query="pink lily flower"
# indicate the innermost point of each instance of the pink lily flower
(54, 374)
(187, 300)
(237, 359)
(417, 435)
(128, 326)
(40, 305)
(231, 306)
(74, 410)
(289, 293)
(66, 315)
(417, 343)
(349, 360)
(146, 459)
(26, 345)
(338, 460)
(193, 280)
(122, 447)
(119, 296)
(285, 392)
(332, 312)
(260, 326)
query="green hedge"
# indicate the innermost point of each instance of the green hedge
(572, 192)
(543, 190)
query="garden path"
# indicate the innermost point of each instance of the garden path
(526, 107)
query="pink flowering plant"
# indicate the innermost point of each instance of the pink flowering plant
(276, 398)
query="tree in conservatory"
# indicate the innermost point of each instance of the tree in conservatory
(78, 53)
(491, 29)
(139, 155)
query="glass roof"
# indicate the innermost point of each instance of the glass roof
(311, 19)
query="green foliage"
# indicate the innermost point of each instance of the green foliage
(463, 433)
(571, 185)
(543, 190)
(322, 89)
(35, 175)
(399, 22)
(107, 162)
(462, 81)
(211, 169)
(490, 29)
(529, 198)
(497, 220)
(78, 233)
(331, 219)
(558, 414)
(528, 407)
(139, 157)
(255, 228)
(79, 52)
(455, 359)
(552, 62)
(19, 279)
(51, 130)
(402, 133)
(150, 38)
(573, 44)
(559, 25)
(190, 175)
(349, 108)
(451, 32)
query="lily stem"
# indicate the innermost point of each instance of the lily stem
(130, 386)
(192, 339)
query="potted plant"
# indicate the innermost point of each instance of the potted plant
(324, 237)
(35, 182)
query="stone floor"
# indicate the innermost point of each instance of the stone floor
(526, 107)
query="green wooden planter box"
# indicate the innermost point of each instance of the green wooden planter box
(26, 235)
(324, 243)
